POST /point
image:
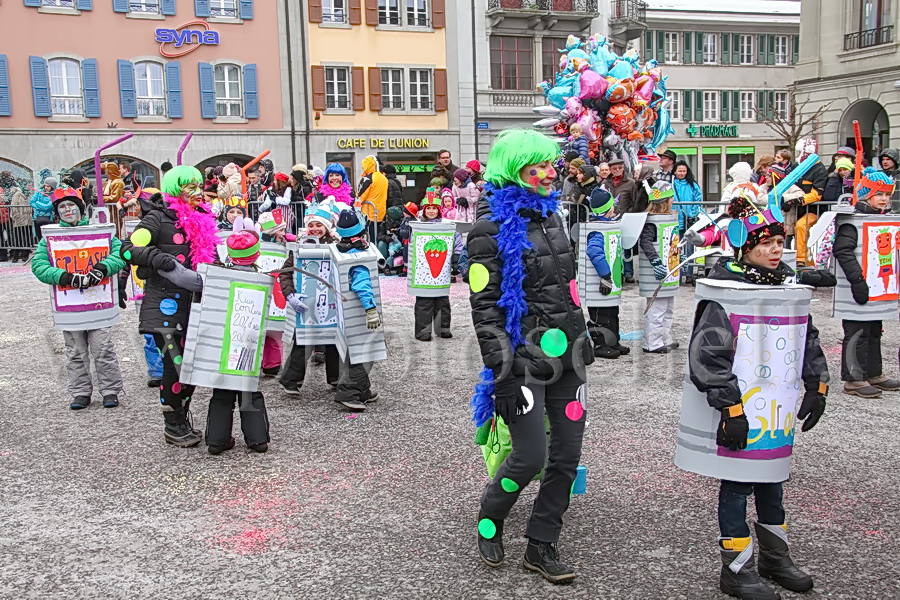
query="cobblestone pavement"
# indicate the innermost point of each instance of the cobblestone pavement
(383, 504)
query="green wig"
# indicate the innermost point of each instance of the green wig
(178, 177)
(515, 149)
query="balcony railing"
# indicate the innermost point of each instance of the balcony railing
(628, 10)
(869, 37)
(516, 99)
(579, 6)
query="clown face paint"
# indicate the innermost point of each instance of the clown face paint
(192, 194)
(69, 212)
(538, 177)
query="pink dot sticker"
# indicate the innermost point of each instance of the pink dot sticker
(573, 290)
(176, 388)
(574, 410)
(177, 239)
(180, 258)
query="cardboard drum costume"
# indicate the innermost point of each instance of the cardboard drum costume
(354, 338)
(430, 253)
(319, 324)
(879, 236)
(667, 247)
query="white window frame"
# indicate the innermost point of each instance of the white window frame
(405, 15)
(746, 42)
(416, 99)
(673, 41)
(748, 104)
(233, 105)
(335, 12)
(334, 70)
(781, 43)
(60, 94)
(150, 106)
(58, 4)
(780, 105)
(224, 9)
(143, 8)
(711, 112)
(388, 101)
(674, 104)
(710, 48)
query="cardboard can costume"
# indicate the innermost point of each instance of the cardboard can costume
(78, 250)
(319, 324)
(271, 258)
(226, 330)
(770, 325)
(877, 253)
(354, 338)
(667, 240)
(588, 280)
(430, 252)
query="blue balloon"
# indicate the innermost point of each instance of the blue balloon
(737, 233)
(622, 69)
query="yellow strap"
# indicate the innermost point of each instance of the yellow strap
(823, 388)
(735, 410)
(735, 544)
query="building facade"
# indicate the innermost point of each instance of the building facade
(850, 64)
(723, 61)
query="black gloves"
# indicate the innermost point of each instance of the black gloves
(163, 262)
(812, 408)
(96, 275)
(733, 430)
(462, 202)
(75, 280)
(860, 291)
(606, 286)
(817, 278)
(65, 280)
(507, 399)
(787, 205)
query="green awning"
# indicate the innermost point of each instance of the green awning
(716, 150)
(684, 151)
(740, 149)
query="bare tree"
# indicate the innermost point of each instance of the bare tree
(795, 123)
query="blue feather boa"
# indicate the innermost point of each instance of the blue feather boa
(512, 242)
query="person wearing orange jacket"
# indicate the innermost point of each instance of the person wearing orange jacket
(373, 187)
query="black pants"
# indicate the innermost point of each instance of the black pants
(861, 350)
(353, 383)
(40, 222)
(219, 418)
(558, 401)
(295, 367)
(172, 394)
(604, 325)
(733, 506)
(431, 312)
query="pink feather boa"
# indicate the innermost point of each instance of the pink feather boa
(199, 227)
(341, 194)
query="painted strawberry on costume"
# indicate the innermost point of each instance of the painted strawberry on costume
(436, 256)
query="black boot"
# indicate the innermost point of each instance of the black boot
(543, 558)
(604, 351)
(490, 540)
(775, 559)
(745, 583)
(178, 432)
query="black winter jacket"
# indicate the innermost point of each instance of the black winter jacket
(835, 188)
(845, 241)
(711, 353)
(395, 191)
(549, 273)
(160, 222)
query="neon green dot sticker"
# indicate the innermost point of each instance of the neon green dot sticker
(478, 277)
(127, 255)
(509, 485)
(177, 360)
(141, 237)
(487, 529)
(554, 342)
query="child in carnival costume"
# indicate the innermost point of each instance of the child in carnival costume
(243, 251)
(404, 233)
(273, 227)
(175, 236)
(712, 371)
(658, 319)
(861, 366)
(69, 209)
(319, 225)
(431, 312)
(534, 344)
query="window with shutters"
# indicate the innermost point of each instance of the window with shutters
(673, 44)
(59, 4)
(550, 57)
(337, 88)
(412, 13)
(334, 11)
(780, 107)
(229, 98)
(66, 97)
(223, 9)
(746, 49)
(674, 105)
(389, 12)
(420, 89)
(511, 63)
(392, 89)
(150, 89)
(710, 48)
(747, 106)
(711, 106)
(781, 50)
(144, 7)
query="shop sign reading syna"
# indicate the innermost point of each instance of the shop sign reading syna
(184, 39)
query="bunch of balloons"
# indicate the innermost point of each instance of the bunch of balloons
(619, 103)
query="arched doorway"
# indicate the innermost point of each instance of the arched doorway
(144, 173)
(223, 159)
(874, 125)
(23, 175)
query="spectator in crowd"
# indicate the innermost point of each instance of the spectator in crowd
(890, 164)
(687, 190)
(42, 204)
(666, 167)
(762, 169)
(395, 190)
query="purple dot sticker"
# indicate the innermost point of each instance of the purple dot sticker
(176, 388)
(168, 307)
(177, 239)
(573, 291)
(574, 410)
(180, 257)
(487, 529)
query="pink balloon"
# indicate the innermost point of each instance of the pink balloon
(592, 85)
(644, 88)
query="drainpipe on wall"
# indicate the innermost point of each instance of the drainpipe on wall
(475, 82)
(290, 57)
(304, 69)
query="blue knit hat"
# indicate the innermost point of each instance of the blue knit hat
(350, 223)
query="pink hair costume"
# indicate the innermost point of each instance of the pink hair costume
(200, 228)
